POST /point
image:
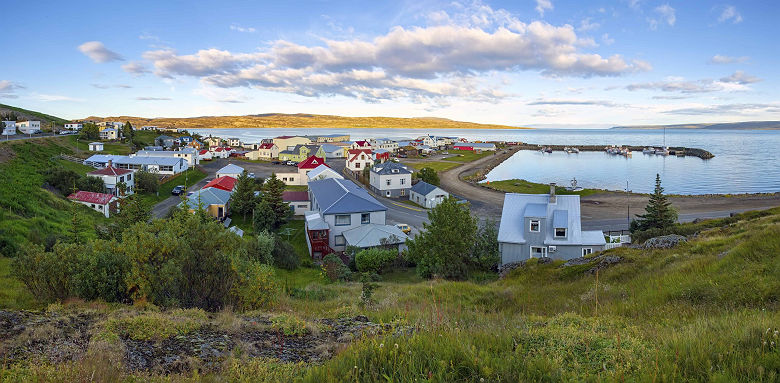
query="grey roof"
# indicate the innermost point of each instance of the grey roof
(328, 148)
(163, 153)
(337, 196)
(207, 197)
(484, 145)
(424, 188)
(593, 237)
(96, 143)
(322, 169)
(103, 158)
(371, 235)
(231, 169)
(519, 206)
(390, 168)
(236, 230)
(314, 221)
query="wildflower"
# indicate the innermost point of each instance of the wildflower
(356, 367)
(396, 345)
(381, 345)
(481, 379)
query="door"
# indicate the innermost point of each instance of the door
(538, 251)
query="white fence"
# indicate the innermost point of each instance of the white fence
(617, 241)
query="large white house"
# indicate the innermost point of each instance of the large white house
(109, 134)
(544, 225)
(74, 126)
(112, 177)
(230, 170)
(29, 127)
(189, 154)
(159, 165)
(358, 159)
(391, 179)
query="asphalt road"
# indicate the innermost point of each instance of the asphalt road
(27, 137)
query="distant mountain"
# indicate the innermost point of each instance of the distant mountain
(747, 125)
(302, 120)
(24, 114)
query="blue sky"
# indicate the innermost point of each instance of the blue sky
(528, 62)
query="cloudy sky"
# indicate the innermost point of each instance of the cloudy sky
(522, 62)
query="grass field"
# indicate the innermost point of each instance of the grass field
(13, 294)
(192, 176)
(439, 166)
(118, 148)
(466, 155)
(526, 187)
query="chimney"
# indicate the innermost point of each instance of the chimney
(552, 192)
(109, 163)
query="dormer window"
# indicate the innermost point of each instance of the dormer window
(560, 232)
(534, 226)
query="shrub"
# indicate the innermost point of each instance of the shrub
(289, 325)
(335, 269)
(62, 179)
(47, 274)
(375, 259)
(485, 255)
(260, 248)
(91, 184)
(256, 286)
(101, 273)
(146, 182)
(285, 256)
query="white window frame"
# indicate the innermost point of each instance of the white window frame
(349, 219)
(560, 236)
(538, 225)
(531, 252)
(366, 221)
(587, 251)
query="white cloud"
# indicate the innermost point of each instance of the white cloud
(109, 86)
(230, 96)
(153, 98)
(543, 5)
(587, 24)
(98, 52)
(666, 14)
(8, 89)
(238, 28)
(738, 81)
(135, 68)
(603, 103)
(730, 13)
(727, 109)
(740, 77)
(634, 3)
(720, 59)
(606, 39)
(55, 97)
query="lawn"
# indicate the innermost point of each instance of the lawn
(108, 147)
(466, 155)
(297, 237)
(296, 187)
(438, 166)
(192, 176)
(76, 167)
(526, 187)
(13, 293)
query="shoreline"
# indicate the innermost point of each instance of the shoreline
(673, 150)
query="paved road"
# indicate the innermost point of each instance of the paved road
(27, 137)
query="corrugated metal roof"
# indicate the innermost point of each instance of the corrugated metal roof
(338, 196)
(389, 168)
(295, 196)
(593, 237)
(110, 171)
(319, 170)
(231, 169)
(314, 221)
(91, 197)
(519, 206)
(535, 210)
(207, 197)
(371, 235)
(424, 188)
(560, 219)
(116, 159)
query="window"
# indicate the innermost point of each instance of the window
(560, 232)
(403, 181)
(339, 240)
(534, 227)
(365, 218)
(343, 220)
(403, 192)
(387, 182)
(586, 251)
(538, 252)
(129, 177)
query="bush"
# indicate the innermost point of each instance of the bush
(101, 273)
(485, 255)
(374, 260)
(91, 184)
(47, 274)
(62, 179)
(335, 269)
(146, 182)
(260, 248)
(256, 287)
(285, 256)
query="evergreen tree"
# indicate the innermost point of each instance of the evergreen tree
(90, 131)
(659, 212)
(131, 211)
(429, 175)
(243, 199)
(272, 195)
(127, 131)
(264, 218)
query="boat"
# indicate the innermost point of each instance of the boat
(571, 150)
(648, 151)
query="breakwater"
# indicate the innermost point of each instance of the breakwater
(693, 152)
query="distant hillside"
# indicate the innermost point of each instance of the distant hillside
(747, 125)
(278, 120)
(25, 114)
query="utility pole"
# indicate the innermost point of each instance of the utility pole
(628, 206)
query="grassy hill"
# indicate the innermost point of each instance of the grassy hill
(25, 114)
(706, 310)
(278, 120)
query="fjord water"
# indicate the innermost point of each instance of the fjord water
(746, 161)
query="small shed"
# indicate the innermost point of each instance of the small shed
(95, 146)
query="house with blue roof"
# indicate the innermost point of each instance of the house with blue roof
(427, 195)
(391, 179)
(214, 201)
(338, 205)
(544, 225)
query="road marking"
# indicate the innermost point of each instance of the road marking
(405, 206)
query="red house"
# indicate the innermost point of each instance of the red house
(225, 183)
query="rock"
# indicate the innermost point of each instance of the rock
(544, 260)
(578, 261)
(504, 270)
(664, 242)
(604, 262)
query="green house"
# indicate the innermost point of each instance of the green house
(301, 152)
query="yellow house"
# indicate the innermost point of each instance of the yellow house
(290, 142)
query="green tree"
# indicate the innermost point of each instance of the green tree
(91, 184)
(659, 213)
(62, 179)
(243, 199)
(132, 210)
(375, 260)
(89, 131)
(429, 175)
(485, 254)
(146, 182)
(272, 195)
(264, 217)
(444, 246)
(127, 131)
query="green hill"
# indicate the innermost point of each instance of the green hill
(25, 114)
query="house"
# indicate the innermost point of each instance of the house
(185, 140)
(215, 202)
(164, 141)
(149, 127)
(333, 151)
(390, 179)
(322, 172)
(109, 134)
(304, 167)
(213, 141)
(112, 178)
(159, 165)
(380, 155)
(290, 142)
(189, 154)
(225, 183)
(383, 143)
(95, 146)
(338, 205)
(358, 159)
(329, 138)
(205, 155)
(425, 150)
(102, 202)
(301, 152)
(408, 151)
(544, 225)
(9, 128)
(375, 235)
(427, 195)
(365, 145)
(475, 146)
(195, 144)
(153, 148)
(230, 170)
(28, 127)
(234, 142)
(298, 201)
(219, 152)
(74, 126)
(264, 151)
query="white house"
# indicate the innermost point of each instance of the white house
(427, 195)
(544, 225)
(74, 126)
(109, 134)
(391, 179)
(358, 159)
(322, 172)
(95, 146)
(298, 201)
(112, 177)
(29, 127)
(9, 128)
(189, 154)
(334, 151)
(266, 150)
(230, 170)
(101, 202)
(219, 152)
(365, 145)
(234, 142)
(159, 165)
(205, 155)
(383, 143)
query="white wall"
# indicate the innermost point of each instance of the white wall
(377, 217)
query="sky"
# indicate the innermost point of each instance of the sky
(542, 63)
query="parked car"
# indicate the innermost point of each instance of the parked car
(290, 163)
(276, 162)
(404, 227)
(445, 152)
(251, 175)
(178, 190)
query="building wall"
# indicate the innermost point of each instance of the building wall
(429, 202)
(289, 143)
(377, 217)
(300, 207)
(512, 252)
(379, 184)
(298, 178)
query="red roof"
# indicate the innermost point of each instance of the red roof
(219, 149)
(293, 196)
(110, 171)
(91, 197)
(362, 143)
(225, 183)
(204, 151)
(266, 146)
(311, 163)
(356, 152)
(284, 137)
